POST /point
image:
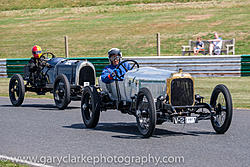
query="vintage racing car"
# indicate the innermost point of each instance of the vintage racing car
(62, 77)
(155, 96)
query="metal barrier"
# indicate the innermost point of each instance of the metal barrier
(198, 66)
(15, 66)
(201, 66)
(245, 65)
(3, 69)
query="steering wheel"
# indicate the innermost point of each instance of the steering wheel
(122, 64)
(47, 53)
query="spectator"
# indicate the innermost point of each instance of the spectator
(199, 46)
(215, 45)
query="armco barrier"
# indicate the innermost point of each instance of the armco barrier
(198, 66)
(3, 69)
(245, 65)
(201, 66)
(15, 66)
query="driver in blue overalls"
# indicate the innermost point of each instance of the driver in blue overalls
(111, 72)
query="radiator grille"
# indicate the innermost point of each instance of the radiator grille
(182, 92)
(87, 75)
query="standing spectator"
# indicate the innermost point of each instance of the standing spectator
(199, 46)
(215, 45)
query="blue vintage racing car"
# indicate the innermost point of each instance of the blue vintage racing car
(62, 77)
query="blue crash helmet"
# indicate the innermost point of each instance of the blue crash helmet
(114, 51)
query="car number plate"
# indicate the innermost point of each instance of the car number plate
(190, 120)
(185, 120)
(85, 84)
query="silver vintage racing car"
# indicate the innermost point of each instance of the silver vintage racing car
(155, 96)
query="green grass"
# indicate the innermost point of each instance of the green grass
(41, 4)
(10, 164)
(238, 86)
(95, 28)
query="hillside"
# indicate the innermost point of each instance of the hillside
(42, 4)
(130, 25)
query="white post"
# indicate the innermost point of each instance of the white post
(66, 46)
(158, 44)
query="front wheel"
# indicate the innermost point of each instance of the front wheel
(16, 90)
(221, 102)
(61, 91)
(90, 106)
(145, 113)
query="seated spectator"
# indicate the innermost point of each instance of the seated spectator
(199, 46)
(215, 45)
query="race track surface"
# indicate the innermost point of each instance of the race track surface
(40, 131)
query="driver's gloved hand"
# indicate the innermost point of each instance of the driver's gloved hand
(48, 65)
(43, 63)
(113, 74)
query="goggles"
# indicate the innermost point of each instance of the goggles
(37, 52)
(116, 57)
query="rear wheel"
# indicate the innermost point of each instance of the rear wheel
(145, 113)
(221, 101)
(90, 107)
(16, 90)
(61, 91)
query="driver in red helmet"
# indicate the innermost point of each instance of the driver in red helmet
(36, 65)
(110, 72)
(36, 51)
(36, 62)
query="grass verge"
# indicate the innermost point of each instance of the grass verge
(239, 89)
(41, 4)
(10, 164)
(93, 30)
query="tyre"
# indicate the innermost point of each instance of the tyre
(90, 106)
(221, 102)
(145, 113)
(61, 91)
(16, 90)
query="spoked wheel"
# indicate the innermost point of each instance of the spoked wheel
(145, 113)
(16, 90)
(90, 107)
(61, 91)
(221, 101)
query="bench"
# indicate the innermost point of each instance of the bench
(228, 46)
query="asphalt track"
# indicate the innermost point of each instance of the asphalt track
(39, 130)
